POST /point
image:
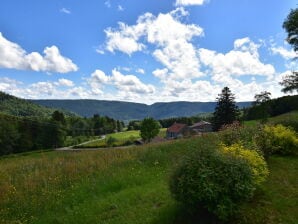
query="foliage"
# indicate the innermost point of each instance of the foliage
(262, 97)
(290, 82)
(128, 185)
(24, 134)
(256, 161)
(23, 108)
(110, 141)
(128, 111)
(237, 133)
(287, 119)
(134, 125)
(274, 107)
(278, 139)
(149, 129)
(226, 111)
(213, 180)
(291, 26)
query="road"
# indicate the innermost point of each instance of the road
(70, 148)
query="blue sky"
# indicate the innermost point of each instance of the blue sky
(143, 51)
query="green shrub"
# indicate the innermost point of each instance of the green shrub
(213, 180)
(256, 161)
(110, 141)
(291, 123)
(236, 133)
(278, 139)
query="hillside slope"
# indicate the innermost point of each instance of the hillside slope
(15, 106)
(127, 185)
(132, 111)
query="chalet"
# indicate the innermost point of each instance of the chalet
(177, 130)
(202, 126)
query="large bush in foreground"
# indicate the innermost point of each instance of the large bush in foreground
(214, 180)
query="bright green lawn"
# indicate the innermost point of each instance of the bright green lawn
(121, 138)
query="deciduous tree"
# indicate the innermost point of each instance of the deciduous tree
(291, 26)
(149, 129)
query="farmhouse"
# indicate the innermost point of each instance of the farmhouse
(202, 126)
(177, 130)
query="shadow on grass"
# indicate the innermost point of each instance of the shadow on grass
(181, 215)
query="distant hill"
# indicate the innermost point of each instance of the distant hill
(15, 106)
(132, 111)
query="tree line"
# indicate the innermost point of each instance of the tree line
(21, 134)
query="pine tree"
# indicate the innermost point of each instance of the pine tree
(226, 111)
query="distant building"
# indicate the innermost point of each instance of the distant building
(177, 130)
(202, 126)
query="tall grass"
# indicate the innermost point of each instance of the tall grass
(105, 186)
(124, 186)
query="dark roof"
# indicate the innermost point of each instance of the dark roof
(176, 128)
(199, 124)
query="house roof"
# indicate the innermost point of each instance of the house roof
(176, 128)
(199, 124)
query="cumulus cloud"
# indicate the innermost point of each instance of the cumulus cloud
(189, 2)
(124, 83)
(65, 82)
(60, 89)
(171, 38)
(15, 57)
(9, 85)
(244, 59)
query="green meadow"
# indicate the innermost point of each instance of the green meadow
(128, 185)
(119, 139)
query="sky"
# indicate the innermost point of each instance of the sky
(143, 51)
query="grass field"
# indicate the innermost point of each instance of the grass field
(120, 138)
(124, 186)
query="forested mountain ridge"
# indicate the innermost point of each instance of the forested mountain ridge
(15, 106)
(133, 111)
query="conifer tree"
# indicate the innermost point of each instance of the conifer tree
(226, 111)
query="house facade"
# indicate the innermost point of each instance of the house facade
(177, 130)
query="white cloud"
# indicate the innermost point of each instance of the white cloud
(14, 57)
(128, 84)
(168, 34)
(65, 10)
(161, 73)
(122, 41)
(99, 50)
(120, 8)
(189, 2)
(140, 70)
(65, 82)
(43, 88)
(100, 77)
(285, 53)
(9, 85)
(242, 60)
